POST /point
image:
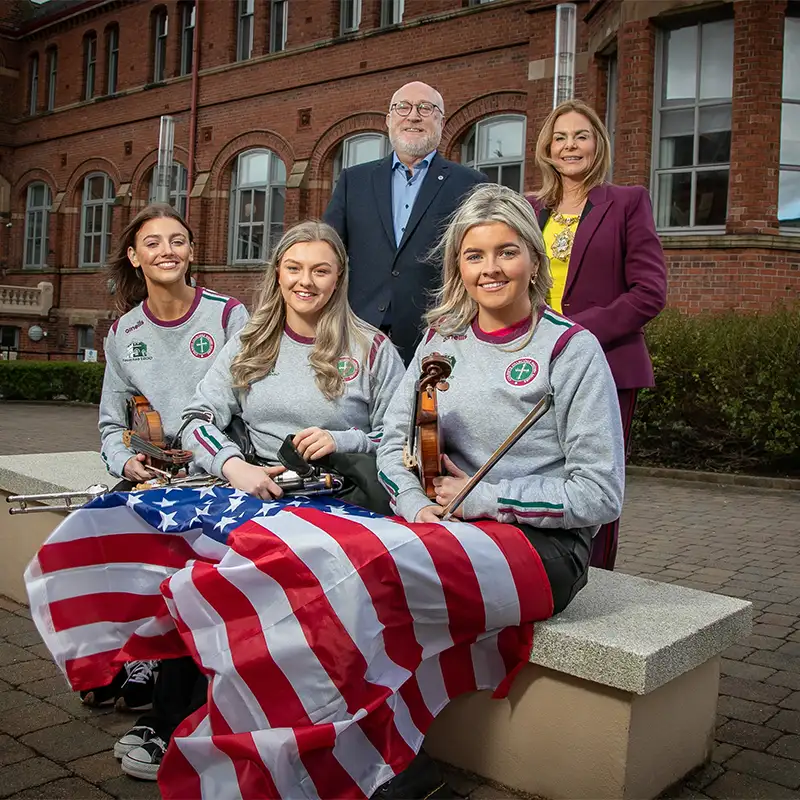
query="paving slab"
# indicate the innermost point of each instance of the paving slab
(63, 789)
(70, 741)
(26, 774)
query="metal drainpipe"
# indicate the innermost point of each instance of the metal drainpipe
(193, 111)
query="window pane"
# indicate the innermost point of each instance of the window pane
(278, 203)
(501, 140)
(243, 240)
(677, 138)
(361, 149)
(511, 176)
(791, 59)
(492, 173)
(245, 207)
(96, 188)
(680, 65)
(716, 60)
(87, 250)
(278, 170)
(259, 201)
(714, 146)
(790, 134)
(674, 200)
(468, 153)
(37, 195)
(711, 198)
(253, 169)
(257, 243)
(95, 259)
(789, 199)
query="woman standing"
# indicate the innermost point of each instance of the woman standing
(606, 260)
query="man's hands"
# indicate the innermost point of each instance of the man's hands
(314, 443)
(252, 479)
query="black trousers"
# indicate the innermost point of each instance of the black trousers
(565, 556)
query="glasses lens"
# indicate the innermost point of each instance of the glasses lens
(425, 109)
(403, 109)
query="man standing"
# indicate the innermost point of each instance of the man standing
(390, 213)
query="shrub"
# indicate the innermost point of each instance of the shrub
(727, 394)
(48, 380)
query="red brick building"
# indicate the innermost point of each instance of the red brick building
(271, 97)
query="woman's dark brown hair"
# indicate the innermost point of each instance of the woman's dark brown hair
(130, 288)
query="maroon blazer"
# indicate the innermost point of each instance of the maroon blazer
(617, 278)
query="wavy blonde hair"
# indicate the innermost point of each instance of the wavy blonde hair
(453, 307)
(339, 330)
(552, 189)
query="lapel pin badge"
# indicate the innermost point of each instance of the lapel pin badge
(441, 177)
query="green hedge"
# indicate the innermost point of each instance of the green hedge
(727, 394)
(50, 380)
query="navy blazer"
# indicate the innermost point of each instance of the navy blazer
(617, 278)
(383, 275)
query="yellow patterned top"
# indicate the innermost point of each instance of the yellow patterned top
(558, 266)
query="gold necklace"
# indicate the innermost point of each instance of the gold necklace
(562, 244)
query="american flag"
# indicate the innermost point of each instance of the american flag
(332, 637)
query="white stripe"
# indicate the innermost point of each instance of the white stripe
(357, 755)
(488, 664)
(431, 684)
(278, 750)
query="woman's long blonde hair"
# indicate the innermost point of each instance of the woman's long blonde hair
(453, 308)
(552, 190)
(339, 330)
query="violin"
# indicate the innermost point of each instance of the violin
(145, 435)
(423, 450)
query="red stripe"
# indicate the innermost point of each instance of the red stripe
(103, 607)
(326, 635)
(159, 549)
(207, 446)
(254, 663)
(376, 345)
(382, 580)
(253, 776)
(89, 672)
(464, 601)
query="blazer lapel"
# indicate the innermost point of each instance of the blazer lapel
(597, 205)
(382, 186)
(437, 174)
(542, 215)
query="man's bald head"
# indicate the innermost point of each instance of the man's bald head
(416, 88)
(415, 135)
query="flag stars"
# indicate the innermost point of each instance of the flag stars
(167, 521)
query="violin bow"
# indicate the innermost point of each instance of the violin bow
(536, 413)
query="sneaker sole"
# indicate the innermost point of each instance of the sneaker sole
(121, 750)
(144, 772)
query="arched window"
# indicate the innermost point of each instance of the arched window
(258, 194)
(160, 32)
(188, 20)
(496, 146)
(52, 77)
(89, 65)
(33, 83)
(37, 212)
(177, 188)
(359, 149)
(97, 207)
(112, 58)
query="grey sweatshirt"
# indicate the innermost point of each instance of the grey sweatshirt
(164, 361)
(289, 400)
(566, 472)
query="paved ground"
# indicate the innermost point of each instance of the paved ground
(744, 543)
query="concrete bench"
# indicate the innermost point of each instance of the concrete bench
(619, 699)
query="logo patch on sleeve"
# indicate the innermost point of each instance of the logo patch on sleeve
(348, 369)
(202, 345)
(521, 372)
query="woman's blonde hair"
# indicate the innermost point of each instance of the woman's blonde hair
(339, 330)
(453, 308)
(551, 192)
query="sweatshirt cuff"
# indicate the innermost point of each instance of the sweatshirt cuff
(481, 503)
(409, 503)
(350, 441)
(229, 451)
(118, 461)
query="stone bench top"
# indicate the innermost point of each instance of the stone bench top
(635, 634)
(620, 631)
(44, 473)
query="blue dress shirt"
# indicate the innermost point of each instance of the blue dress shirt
(405, 188)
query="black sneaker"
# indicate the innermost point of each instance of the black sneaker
(135, 737)
(104, 695)
(136, 693)
(143, 762)
(420, 780)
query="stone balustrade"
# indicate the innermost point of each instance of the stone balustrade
(27, 301)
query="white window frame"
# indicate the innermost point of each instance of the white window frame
(479, 165)
(791, 230)
(342, 159)
(349, 16)
(178, 187)
(85, 339)
(52, 77)
(697, 104)
(106, 204)
(278, 24)
(36, 214)
(188, 22)
(245, 22)
(392, 12)
(237, 226)
(90, 65)
(33, 83)
(112, 60)
(160, 42)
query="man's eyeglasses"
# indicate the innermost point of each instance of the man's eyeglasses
(423, 109)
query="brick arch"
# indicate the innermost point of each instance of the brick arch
(96, 164)
(362, 122)
(32, 176)
(489, 105)
(148, 161)
(252, 140)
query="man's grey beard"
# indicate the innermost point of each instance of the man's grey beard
(415, 149)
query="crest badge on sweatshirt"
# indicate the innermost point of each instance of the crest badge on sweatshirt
(521, 372)
(348, 369)
(202, 345)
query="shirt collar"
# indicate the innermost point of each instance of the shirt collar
(424, 164)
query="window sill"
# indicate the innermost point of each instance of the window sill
(722, 241)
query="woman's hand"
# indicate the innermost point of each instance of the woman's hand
(429, 514)
(314, 443)
(252, 479)
(449, 486)
(136, 471)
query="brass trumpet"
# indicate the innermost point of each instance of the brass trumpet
(23, 499)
